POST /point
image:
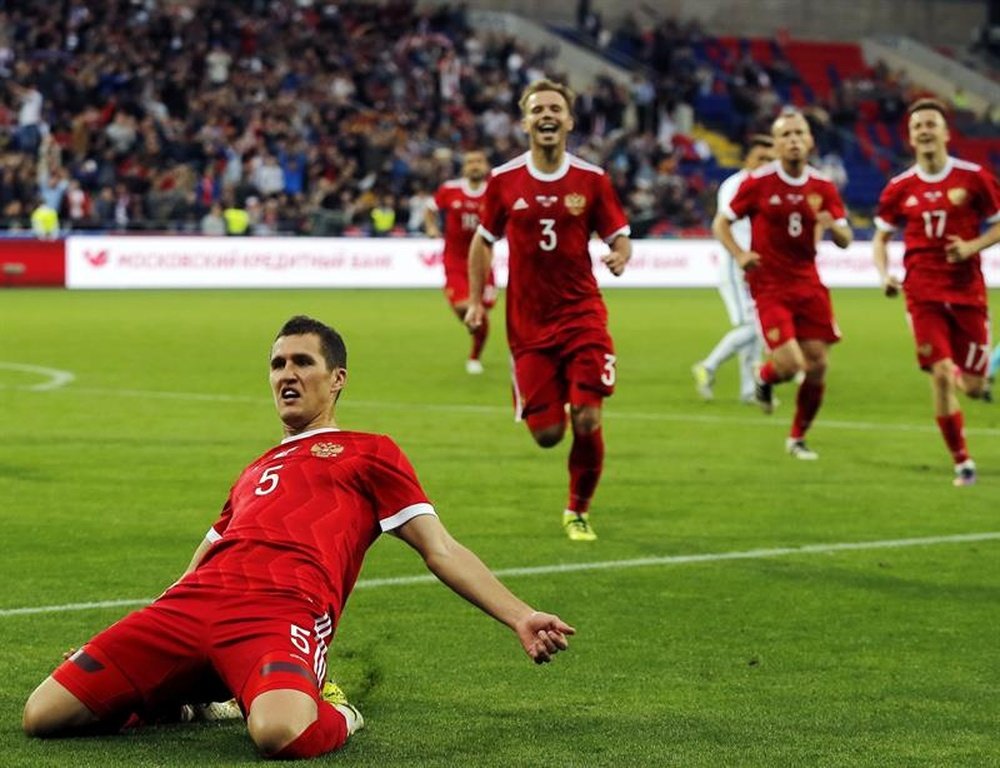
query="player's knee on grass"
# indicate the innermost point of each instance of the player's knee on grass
(51, 710)
(278, 717)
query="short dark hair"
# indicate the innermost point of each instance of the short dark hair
(928, 103)
(330, 342)
(760, 140)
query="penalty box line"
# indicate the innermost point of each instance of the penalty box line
(598, 565)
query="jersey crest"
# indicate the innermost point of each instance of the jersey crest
(326, 450)
(575, 203)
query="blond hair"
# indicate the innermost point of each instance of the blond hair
(546, 85)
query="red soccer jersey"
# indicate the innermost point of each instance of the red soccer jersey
(548, 219)
(459, 207)
(929, 209)
(301, 517)
(782, 211)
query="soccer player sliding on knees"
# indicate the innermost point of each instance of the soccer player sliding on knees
(254, 613)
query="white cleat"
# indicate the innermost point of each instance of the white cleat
(473, 367)
(798, 449)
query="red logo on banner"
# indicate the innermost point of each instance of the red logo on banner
(96, 258)
(432, 259)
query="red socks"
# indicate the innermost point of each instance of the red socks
(953, 431)
(807, 403)
(768, 375)
(327, 733)
(586, 460)
(479, 338)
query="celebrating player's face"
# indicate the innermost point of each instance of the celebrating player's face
(304, 388)
(547, 119)
(474, 166)
(928, 131)
(792, 138)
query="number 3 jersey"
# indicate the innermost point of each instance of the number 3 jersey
(300, 518)
(930, 209)
(783, 213)
(548, 219)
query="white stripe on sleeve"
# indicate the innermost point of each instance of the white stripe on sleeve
(406, 514)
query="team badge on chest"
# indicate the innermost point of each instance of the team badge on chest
(575, 203)
(957, 195)
(815, 201)
(326, 450)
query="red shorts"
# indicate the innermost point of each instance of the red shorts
(579, 369)
(456, 286)
(960, 332)
(803, 313)
(196, 644)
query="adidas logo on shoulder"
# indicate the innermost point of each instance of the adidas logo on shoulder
(519, 205)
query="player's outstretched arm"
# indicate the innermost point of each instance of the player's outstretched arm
(880, 255)
(542, 635)
(621, 252)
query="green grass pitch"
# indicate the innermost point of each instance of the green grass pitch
(871, 657)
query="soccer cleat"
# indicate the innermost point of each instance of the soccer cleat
(577, 526)
(335, 697)
(763, 393)
(797, 448)
(473, 367)
(704, 379)
(215, 711)
(988, 390)
(965, 474)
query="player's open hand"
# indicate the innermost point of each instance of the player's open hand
(890, 286)
(543, 635)
(957, 249)
(748, 260)
(474, 316)
(616, 262)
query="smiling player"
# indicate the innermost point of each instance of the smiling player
(941, 204)
(547, 203)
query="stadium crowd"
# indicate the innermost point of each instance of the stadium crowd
(342, 118)
(321, 118)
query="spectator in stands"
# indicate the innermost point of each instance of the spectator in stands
(213, 222)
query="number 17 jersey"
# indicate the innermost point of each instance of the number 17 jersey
(930, 208)
(548, 219)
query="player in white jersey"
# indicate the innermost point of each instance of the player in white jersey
(744, 338)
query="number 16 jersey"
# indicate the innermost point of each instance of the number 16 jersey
(548, 219)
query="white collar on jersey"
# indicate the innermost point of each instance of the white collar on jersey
(557, 174)
(469, 191)
(310, 433)
(939, 176)
(795, 181)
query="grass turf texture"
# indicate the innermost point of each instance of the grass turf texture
(865, 658)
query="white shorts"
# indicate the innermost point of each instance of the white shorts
(736, 296)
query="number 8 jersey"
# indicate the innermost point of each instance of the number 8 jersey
(548, 219)
(783, 212)
(930, 209)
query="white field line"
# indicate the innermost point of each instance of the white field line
(55, 378)
(685, 418)
(598, 565)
